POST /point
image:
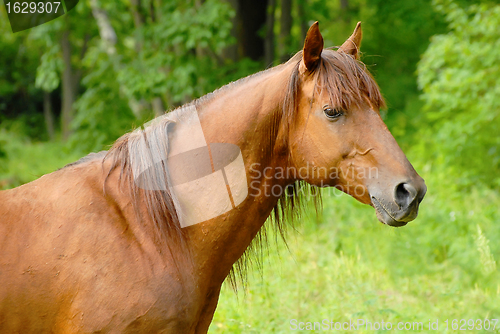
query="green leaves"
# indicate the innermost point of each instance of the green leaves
(47, 73)
(171, 54)
(175, 49)
(460, 79)
(102, 111)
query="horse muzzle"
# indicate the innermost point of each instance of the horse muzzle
(402, 206)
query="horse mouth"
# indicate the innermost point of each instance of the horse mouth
(384, 216)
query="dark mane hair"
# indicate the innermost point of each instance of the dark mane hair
(346, 80)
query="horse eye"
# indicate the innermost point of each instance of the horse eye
(332, 113)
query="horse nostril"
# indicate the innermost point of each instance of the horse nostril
(405, 194)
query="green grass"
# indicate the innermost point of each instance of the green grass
(22, 160)
(346, 265)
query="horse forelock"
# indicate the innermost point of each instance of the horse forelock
(345, 79)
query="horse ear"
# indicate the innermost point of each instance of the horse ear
(313, 45)
(351, 46)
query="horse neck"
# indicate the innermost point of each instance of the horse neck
(243, 115)
(246, 115)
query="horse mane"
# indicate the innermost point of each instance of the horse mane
(87, 158)
(346, 80)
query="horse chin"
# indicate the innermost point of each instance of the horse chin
(384, 217)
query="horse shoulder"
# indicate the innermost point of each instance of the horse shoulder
(68, 246)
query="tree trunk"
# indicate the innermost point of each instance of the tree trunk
(68, 87)
(158, 107)
(136, 12)
(252, 16)
(106, 30)
(231, 51)
(138, 21)
(48, 114)
(269, 41)
(285, 28)
(344, 7)
(304, 26)
(108, 36)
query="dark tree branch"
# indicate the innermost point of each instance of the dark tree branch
(285, 28)
(269, 41)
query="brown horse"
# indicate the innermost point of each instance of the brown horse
(101, 245)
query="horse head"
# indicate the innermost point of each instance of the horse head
(339, 137)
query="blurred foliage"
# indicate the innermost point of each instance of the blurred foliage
(396, 33)
(172, 56)
(22, 161)
(342, 264)
(19, 98)
(460, 79)
(174, 52)
(178, 51)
